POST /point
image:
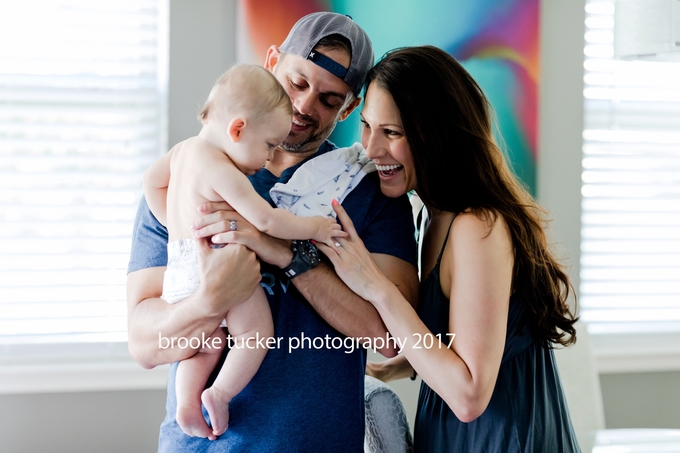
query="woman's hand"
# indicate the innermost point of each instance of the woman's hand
(352, 261)
(216, 223)
(390, 369)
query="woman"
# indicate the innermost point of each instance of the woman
(489, 276)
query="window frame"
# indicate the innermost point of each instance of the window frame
(29, 366)
(632, 347)
(190, 75)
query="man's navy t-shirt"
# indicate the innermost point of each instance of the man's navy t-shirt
(308, 399)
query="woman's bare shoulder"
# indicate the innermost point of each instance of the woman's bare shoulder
(478, 225)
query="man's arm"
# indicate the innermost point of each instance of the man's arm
(348, 313)
(330, 297)
(322, 288)
(150, 318)
(388, 231)
(228, 275)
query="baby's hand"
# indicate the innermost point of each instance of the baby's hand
(327, 228)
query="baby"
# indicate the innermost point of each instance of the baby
(247, 115)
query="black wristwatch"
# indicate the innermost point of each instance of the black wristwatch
(305, 257)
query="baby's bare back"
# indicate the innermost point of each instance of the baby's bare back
(195, 165)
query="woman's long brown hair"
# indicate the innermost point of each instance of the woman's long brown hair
(447, 122)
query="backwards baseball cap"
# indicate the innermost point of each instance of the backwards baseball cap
(308, 31)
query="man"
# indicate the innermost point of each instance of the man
(308, 393)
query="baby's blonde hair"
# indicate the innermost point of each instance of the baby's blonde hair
(249, 90)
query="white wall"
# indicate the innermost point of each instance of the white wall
(561, 124)
(87, 422)
(202, 47)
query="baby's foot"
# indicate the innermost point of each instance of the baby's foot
(217, 409)
(190, 419)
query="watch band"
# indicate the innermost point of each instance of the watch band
(305, 257)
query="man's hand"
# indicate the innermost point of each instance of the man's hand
(390, 369)
(216, 225)
(229, 276)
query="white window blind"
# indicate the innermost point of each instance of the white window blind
(82, 114)
(630, 247)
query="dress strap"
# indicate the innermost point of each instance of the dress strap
(441, 252)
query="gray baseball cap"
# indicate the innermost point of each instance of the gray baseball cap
(309, 30)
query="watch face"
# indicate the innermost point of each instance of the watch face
(309, 252)
(306, 256)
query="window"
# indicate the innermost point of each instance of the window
(82, 115)
(630, 247)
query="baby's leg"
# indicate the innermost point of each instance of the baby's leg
(192, 375)
(244, 321)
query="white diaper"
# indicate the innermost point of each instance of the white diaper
(181, 276)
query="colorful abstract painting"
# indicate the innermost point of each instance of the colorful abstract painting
(496, 41)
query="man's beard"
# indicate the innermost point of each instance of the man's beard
(297, 147)
(313, 137)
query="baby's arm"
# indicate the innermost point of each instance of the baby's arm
(236, 190)
(156, 179)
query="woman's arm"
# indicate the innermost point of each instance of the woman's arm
(480, 272)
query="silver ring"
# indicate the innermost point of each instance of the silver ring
(232, 225)
(337, 244)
